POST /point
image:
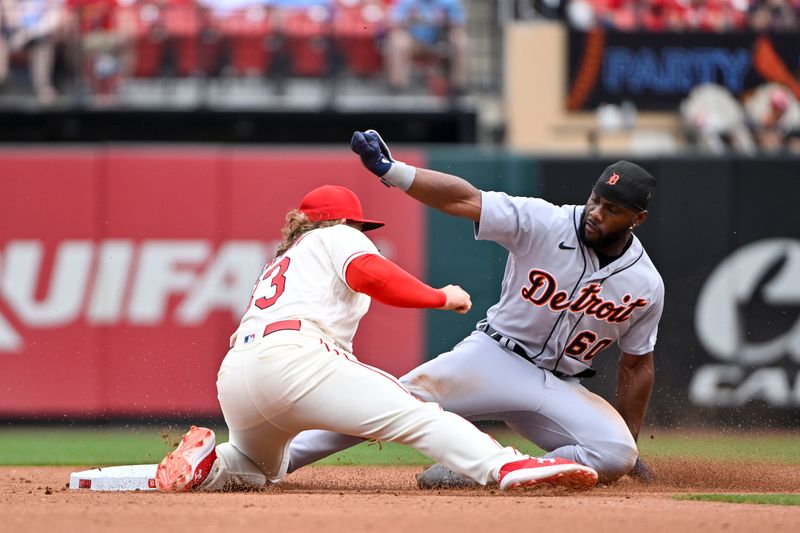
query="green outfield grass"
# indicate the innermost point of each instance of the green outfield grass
(83, 446)
(769, 499)
(106, 446)
(772, 447)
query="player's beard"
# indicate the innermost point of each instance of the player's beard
(603, 240)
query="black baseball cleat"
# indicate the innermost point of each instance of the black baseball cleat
(438, 476)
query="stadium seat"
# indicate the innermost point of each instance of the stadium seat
(249, 34)
(358, 26)
(307, 40)
(150, 38)
(195, 43)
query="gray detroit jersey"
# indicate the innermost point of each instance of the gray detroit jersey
(556, 301)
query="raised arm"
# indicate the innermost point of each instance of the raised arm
(445, 192)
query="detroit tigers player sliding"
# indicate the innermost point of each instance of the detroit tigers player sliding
(576, 281)
(291, 367)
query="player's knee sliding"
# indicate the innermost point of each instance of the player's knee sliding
(612, 461)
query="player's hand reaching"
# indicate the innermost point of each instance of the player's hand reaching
(458, 299)
(377, 158)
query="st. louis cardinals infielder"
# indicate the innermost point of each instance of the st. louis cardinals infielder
(291, 367)
(576, 281)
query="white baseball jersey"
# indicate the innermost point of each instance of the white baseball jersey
(272, 387)
(308, 283)
(556, 302)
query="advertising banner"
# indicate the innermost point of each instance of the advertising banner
(124, 271)
(655, 71)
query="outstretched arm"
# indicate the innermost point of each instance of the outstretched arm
(445, 192)
(383, 280)
(448, 193)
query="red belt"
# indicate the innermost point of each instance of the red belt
(282, 325)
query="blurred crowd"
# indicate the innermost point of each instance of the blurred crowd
(92, 47)
(766, 121)
(686, 15)
(103, 42)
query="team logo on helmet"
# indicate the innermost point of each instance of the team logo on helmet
(613, 179)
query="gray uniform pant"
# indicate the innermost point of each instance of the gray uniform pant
(481, 380)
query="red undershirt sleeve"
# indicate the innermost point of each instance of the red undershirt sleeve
(383, 280)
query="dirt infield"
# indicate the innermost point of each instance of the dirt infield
(385, 499)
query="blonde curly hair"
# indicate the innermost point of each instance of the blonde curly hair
(297, 223)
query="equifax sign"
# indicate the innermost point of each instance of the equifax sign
(122, 281)
(124, 270)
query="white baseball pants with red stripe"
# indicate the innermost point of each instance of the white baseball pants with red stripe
(291, 381)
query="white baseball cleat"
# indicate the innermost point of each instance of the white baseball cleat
(189, 465)
(557, 472)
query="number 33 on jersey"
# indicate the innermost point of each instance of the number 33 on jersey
(285, 290)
